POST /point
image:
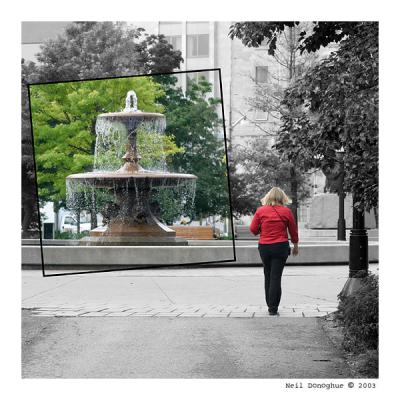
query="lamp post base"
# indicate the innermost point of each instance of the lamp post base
(351, 286)
(358, 254)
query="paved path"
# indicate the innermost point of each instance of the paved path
(231, 292)
(179, 323)
(178, 348)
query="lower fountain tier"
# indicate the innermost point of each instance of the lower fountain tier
(141, 178)
(128, 218)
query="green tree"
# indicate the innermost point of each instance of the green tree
(288, 64)
(104, 49)
(64, 116)
(30, 218)
(194, 123)
(334, 105)
(253, 34)
(255, 169)
(87, 50)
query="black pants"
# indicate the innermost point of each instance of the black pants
(273, 257)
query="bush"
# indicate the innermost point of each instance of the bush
(358, 315)
(69, 235)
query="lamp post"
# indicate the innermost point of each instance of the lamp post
(341, 226)
(358, 251)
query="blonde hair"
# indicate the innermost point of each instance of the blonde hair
(276, 196)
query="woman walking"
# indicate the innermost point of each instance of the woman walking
(271, 222)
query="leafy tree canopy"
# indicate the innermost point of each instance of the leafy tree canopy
(193, 121)
(252, 34)
(64, 116)
(104, 49)
(336, 106)
(255, 170)
(87, 50)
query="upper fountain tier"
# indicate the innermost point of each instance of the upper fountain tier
(131, 171)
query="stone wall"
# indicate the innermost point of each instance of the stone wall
(324, 212)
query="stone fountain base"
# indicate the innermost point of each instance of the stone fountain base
(129, 234)
(132, 241)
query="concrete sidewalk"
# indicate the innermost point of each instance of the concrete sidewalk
(180, 323)
(178, 348)
(197, 292)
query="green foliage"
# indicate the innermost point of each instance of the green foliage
(64, 115)
(86, 50)
(69, 235)
(194, 123)
(153, 147)
(171, 202)
(336, 105)
(359, 316)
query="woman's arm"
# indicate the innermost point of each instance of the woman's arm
(294, 236)
(255, 226)
(292, 227)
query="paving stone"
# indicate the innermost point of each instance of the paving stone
(314, 313)
(260, 314)
(139, 314)
(241, 315)
(94, 314)
(167, 314)
(216, 315)
(327, 309)
(119, 314)
(198, 314)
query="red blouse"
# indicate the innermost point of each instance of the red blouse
(270, 226)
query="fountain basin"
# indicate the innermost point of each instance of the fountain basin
(150, 178)
(125, 196)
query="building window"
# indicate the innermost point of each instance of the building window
(197, 45)
(175, 41)
(195, 77)
(261, 74)
(261, 115)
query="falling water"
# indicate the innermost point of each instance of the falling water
(112, 136)
(169, 198)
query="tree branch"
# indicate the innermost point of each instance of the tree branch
(81, 149)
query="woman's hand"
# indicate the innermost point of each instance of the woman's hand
(295, 249)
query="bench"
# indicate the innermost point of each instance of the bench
(195, 232)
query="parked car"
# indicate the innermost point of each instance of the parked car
(69, 223)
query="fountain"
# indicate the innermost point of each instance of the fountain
(123, 195)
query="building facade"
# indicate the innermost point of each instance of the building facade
(206, 45)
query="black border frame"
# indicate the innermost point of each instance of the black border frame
(148, 265)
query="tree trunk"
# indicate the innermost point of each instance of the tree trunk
(56, 209)
(293, 190)
(93, 213)
(27, 216)
(78, 222)
(376, 214)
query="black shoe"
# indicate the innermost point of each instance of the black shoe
(273, 312)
